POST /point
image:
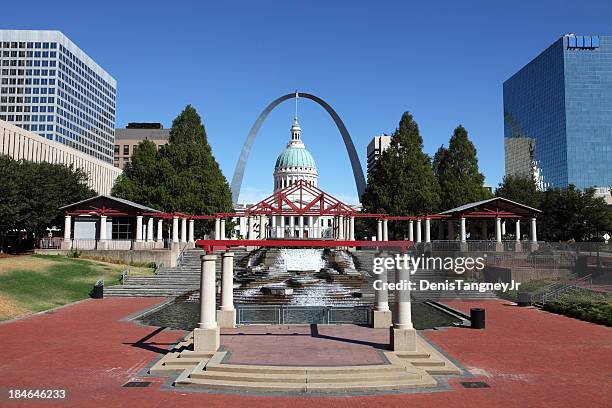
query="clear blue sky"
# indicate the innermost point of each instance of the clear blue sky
(443, 61)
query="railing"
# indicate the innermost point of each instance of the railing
(308, 233)
(50, 243)
(84, 244)
(570, 287)
(119, 244)
(282, 314)
(124, 274)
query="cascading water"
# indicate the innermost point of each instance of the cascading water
(302, 259)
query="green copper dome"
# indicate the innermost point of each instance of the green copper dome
(295, 157)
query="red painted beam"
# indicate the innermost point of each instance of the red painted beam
(211, 245)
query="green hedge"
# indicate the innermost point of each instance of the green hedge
(589, 306)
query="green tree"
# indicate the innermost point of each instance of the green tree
(456, 169)
(521, 189)
(402, 182)
(571, 214)
(10, 202)
(182, 176)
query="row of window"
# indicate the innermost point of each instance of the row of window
(28, 72)
(26, 91)
(27, 99)
(25, 44)
(28, 63)
(29, 118)
(27, 81)
(27, 108)
(29, 54)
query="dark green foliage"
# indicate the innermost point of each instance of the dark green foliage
(32, 193)
(456, 169)
(588, 306)
(403, 183)
(571, 214)
(521, 189)
(182, 176)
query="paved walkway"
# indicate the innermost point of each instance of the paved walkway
(529, 358)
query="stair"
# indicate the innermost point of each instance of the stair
(172, 281)
(247, 378)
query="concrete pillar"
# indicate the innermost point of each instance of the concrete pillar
(427, 230)
(498, 230)
(183, 229)
(217, 228)
(160, 230)
(67, 228)
(175, 232)
(274, 228)
(385, 230)
(311, 227)
(403, 335)
(301, 226)
(222, 229)
(379, 231)
(418, 231)
(102, 233)
(352, 229)
(251, 227)
(381, 318)
(206, 337)
(411, 231)
(226, 316)
(282, 226)
(138, 228)
(150, 229)
(517, 230)
(534, 233)
(292, 226)
(341, 227)
(503, 228)
(451, 230)
(191, 234)
(463, 235)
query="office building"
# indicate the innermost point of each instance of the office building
(376, 147)
(558, 109)
(127, 139)
(52, 88)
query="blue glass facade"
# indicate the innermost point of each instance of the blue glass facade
(562, 100)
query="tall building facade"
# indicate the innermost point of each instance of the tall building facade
(127, 139)
(52, 88)
(558, 109)
(376, 147)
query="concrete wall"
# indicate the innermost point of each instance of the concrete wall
(166, 257)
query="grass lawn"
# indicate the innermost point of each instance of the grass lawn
(33, 283)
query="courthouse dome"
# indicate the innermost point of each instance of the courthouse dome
(295, 157)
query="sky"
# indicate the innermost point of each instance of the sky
(443, 61)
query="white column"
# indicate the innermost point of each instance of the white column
(418, 231)
(175, 232)
(217, 228)
(139, 228)
(227, 281)
(381, 297)
(534, 234)
(282, 226)
(183, 229)
(222, 228)
(498, 231)
(160, 230)
(274, 228)
(341, 227)
(518, 230)
(427, 230)
(503, 228)
(385, 230)
(150, 229)
(379, 231)
(251, 227)
(463, 237)
(208, 316)
(262, 227)
(102, 236)
(291, 226)
(191, 231)
(301, 226)
(404, 316)
(67, 227)
(311, 229)
(411, 231)
(352, 229)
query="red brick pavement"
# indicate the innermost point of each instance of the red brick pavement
(529, 357)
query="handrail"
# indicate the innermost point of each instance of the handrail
(124, 274)
(561, 288)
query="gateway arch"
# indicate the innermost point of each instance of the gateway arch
(346, 137)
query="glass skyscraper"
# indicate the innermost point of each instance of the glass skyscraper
(51, 87)
(558, 114)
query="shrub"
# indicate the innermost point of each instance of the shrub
(588, 306)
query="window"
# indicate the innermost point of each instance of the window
(122, 228)
(126, 150)
(117, 149)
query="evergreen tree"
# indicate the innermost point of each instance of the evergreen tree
(402, 182)
(456, 169)
(521, 189)
(182, 176)
(10, 201)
